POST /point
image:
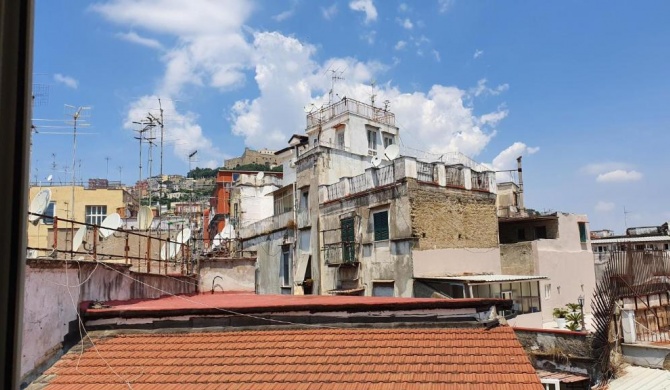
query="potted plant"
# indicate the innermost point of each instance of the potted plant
(559, 314)
(574, 307)
(574, 321)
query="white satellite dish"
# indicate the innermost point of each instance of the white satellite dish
(144, 217)
(39, 204)
(32, 254)
(217, 240)
(183, 236)
(49, 178)
(171, 251)
(376, 161)
(112, 221)
(392, 152)
(260, 176)
(78, 238)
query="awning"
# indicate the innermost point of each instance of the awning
(623, 240)
(483, 279)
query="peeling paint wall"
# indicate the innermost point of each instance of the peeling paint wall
(51, 307)
(227, 275)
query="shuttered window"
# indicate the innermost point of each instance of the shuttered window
(582, 231)
(381, 225)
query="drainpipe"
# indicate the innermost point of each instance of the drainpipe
(520, 172)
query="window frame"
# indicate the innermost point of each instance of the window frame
(385, 284)
(379, 234)
(372, 139)
(582, 232)
(547, 291)
(99, 215)
(51, 207)
(285, 266)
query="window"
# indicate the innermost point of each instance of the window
(540, 232)
(582, 231)
(666, 246)
(372, 139)
(340, 139)
(348, 238)
(383, 289)
(381, 225)
(388, 140)
(51, 212)
(551, 384)
(506, 295)
(285, 266)
(95, 214)
(547, 291)
(283, 202)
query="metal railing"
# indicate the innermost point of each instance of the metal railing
(425, 172)
(350, 106)
(341, 253)
(455, 176)
(148, 252)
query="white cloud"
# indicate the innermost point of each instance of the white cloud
(405, 23)
(506, 160)
(602, 167)
(329, 12)
(133, 37)
(369, 37)
(68, 81)
(182, 131)
(283, 15)
(403, 7)
(436, 54)
(618, 175)
(366, 6)
(444, 5)
(603, 206)
(483, 89)
(400, 45)
(493, 118)
(478, 53)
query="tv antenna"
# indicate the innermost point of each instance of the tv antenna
(625, 216)
(79, 115)
(372, 94)
(335, 76)
(107, 158)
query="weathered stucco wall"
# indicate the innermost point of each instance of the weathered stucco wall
(51, 307)
(450, 262)
(227, 275)
(557, 350)
(519, 259)
(452, 218)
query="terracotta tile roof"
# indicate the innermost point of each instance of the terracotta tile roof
(301, 359)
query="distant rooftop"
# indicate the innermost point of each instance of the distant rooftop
(350, 106)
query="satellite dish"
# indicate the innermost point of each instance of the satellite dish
(112, 221)
(217, 240)
(49, 178)
(376, 161)
(183, 236)
(78, 238)
(171, 251)
(144, 217)
(392, 152)
(308, 108)
(260, 176)
(32, 254)
(39, 204)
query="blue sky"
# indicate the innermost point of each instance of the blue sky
(580, 89)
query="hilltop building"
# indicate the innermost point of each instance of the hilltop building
(263, 157)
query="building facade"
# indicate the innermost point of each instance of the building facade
(264, 157)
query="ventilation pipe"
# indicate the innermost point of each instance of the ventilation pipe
(520, 198)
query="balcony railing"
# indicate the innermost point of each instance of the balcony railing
(303, 219)
(341, 253)
(353, 107)
(425, 172)
(267, 225)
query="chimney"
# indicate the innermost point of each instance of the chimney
(520, 199)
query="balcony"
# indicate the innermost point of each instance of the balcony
(350, 106)
(303, 219)
(267, 225)
(341, 253)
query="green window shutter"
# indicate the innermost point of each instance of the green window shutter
(381, 225)
(582, 231)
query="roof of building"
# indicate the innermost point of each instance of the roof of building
(623, 239)
(253, 303)
(641, 378)
(300, 359)
(489, 278)
(564, 377)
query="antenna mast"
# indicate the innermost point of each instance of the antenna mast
(77, 115)
(334, 78)
(372, 95)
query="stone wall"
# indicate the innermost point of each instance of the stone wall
(452, 218)
(227, 274)
(519, 259)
